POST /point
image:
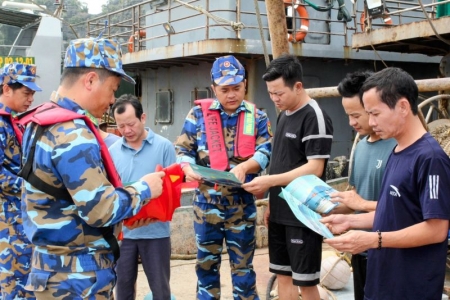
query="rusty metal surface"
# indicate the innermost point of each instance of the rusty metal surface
(189, 54)
(424, 85)
(415, 37)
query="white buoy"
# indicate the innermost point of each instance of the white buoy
(334, 273)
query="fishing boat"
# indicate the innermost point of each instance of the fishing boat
(170, 45)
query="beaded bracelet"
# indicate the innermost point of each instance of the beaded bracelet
(379, 240)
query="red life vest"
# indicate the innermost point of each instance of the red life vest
(244, 141)
(161, 208)
(15, 124)
(50, 113)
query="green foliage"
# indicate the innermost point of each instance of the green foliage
(114, 5)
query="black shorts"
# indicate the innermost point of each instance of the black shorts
(295, 252)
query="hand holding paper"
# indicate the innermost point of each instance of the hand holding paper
(215, 176)
(307, 196)
(312, 192)
(305, 215)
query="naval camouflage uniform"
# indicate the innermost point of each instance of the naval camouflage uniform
(224, 212)
(16, 249)
(71, 259)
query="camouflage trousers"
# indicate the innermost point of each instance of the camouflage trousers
(15, 261)
(96, 285)
(236, 225)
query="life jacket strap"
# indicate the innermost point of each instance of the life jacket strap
(244, 142)
(218, 155)
(18, 130)
(49, 114)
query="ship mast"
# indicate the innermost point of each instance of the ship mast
(277, 27)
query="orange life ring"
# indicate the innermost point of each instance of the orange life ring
(386, 19)
(304, 25)
(142, 34)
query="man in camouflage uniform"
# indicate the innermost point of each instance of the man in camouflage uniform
(221, 212)
(17, 87)
(72, 259)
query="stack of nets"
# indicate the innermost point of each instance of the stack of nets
(440, 130)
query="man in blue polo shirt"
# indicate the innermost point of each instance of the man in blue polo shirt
(138, 153)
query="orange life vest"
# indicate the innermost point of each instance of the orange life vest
(244, 142)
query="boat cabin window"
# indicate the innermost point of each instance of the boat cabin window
(197, 94)
(164, 107)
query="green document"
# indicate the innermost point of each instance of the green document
(215, 176)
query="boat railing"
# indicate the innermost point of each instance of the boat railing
(398, 12)
(172, 22)
(137, 26)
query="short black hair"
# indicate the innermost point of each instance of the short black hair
(120, 104)
(14, 86)
(393, 84)
(286, 66)
(352, 83)
(71, 75)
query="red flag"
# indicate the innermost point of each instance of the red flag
(163, 207)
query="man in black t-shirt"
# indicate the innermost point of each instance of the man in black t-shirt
(301, 146)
